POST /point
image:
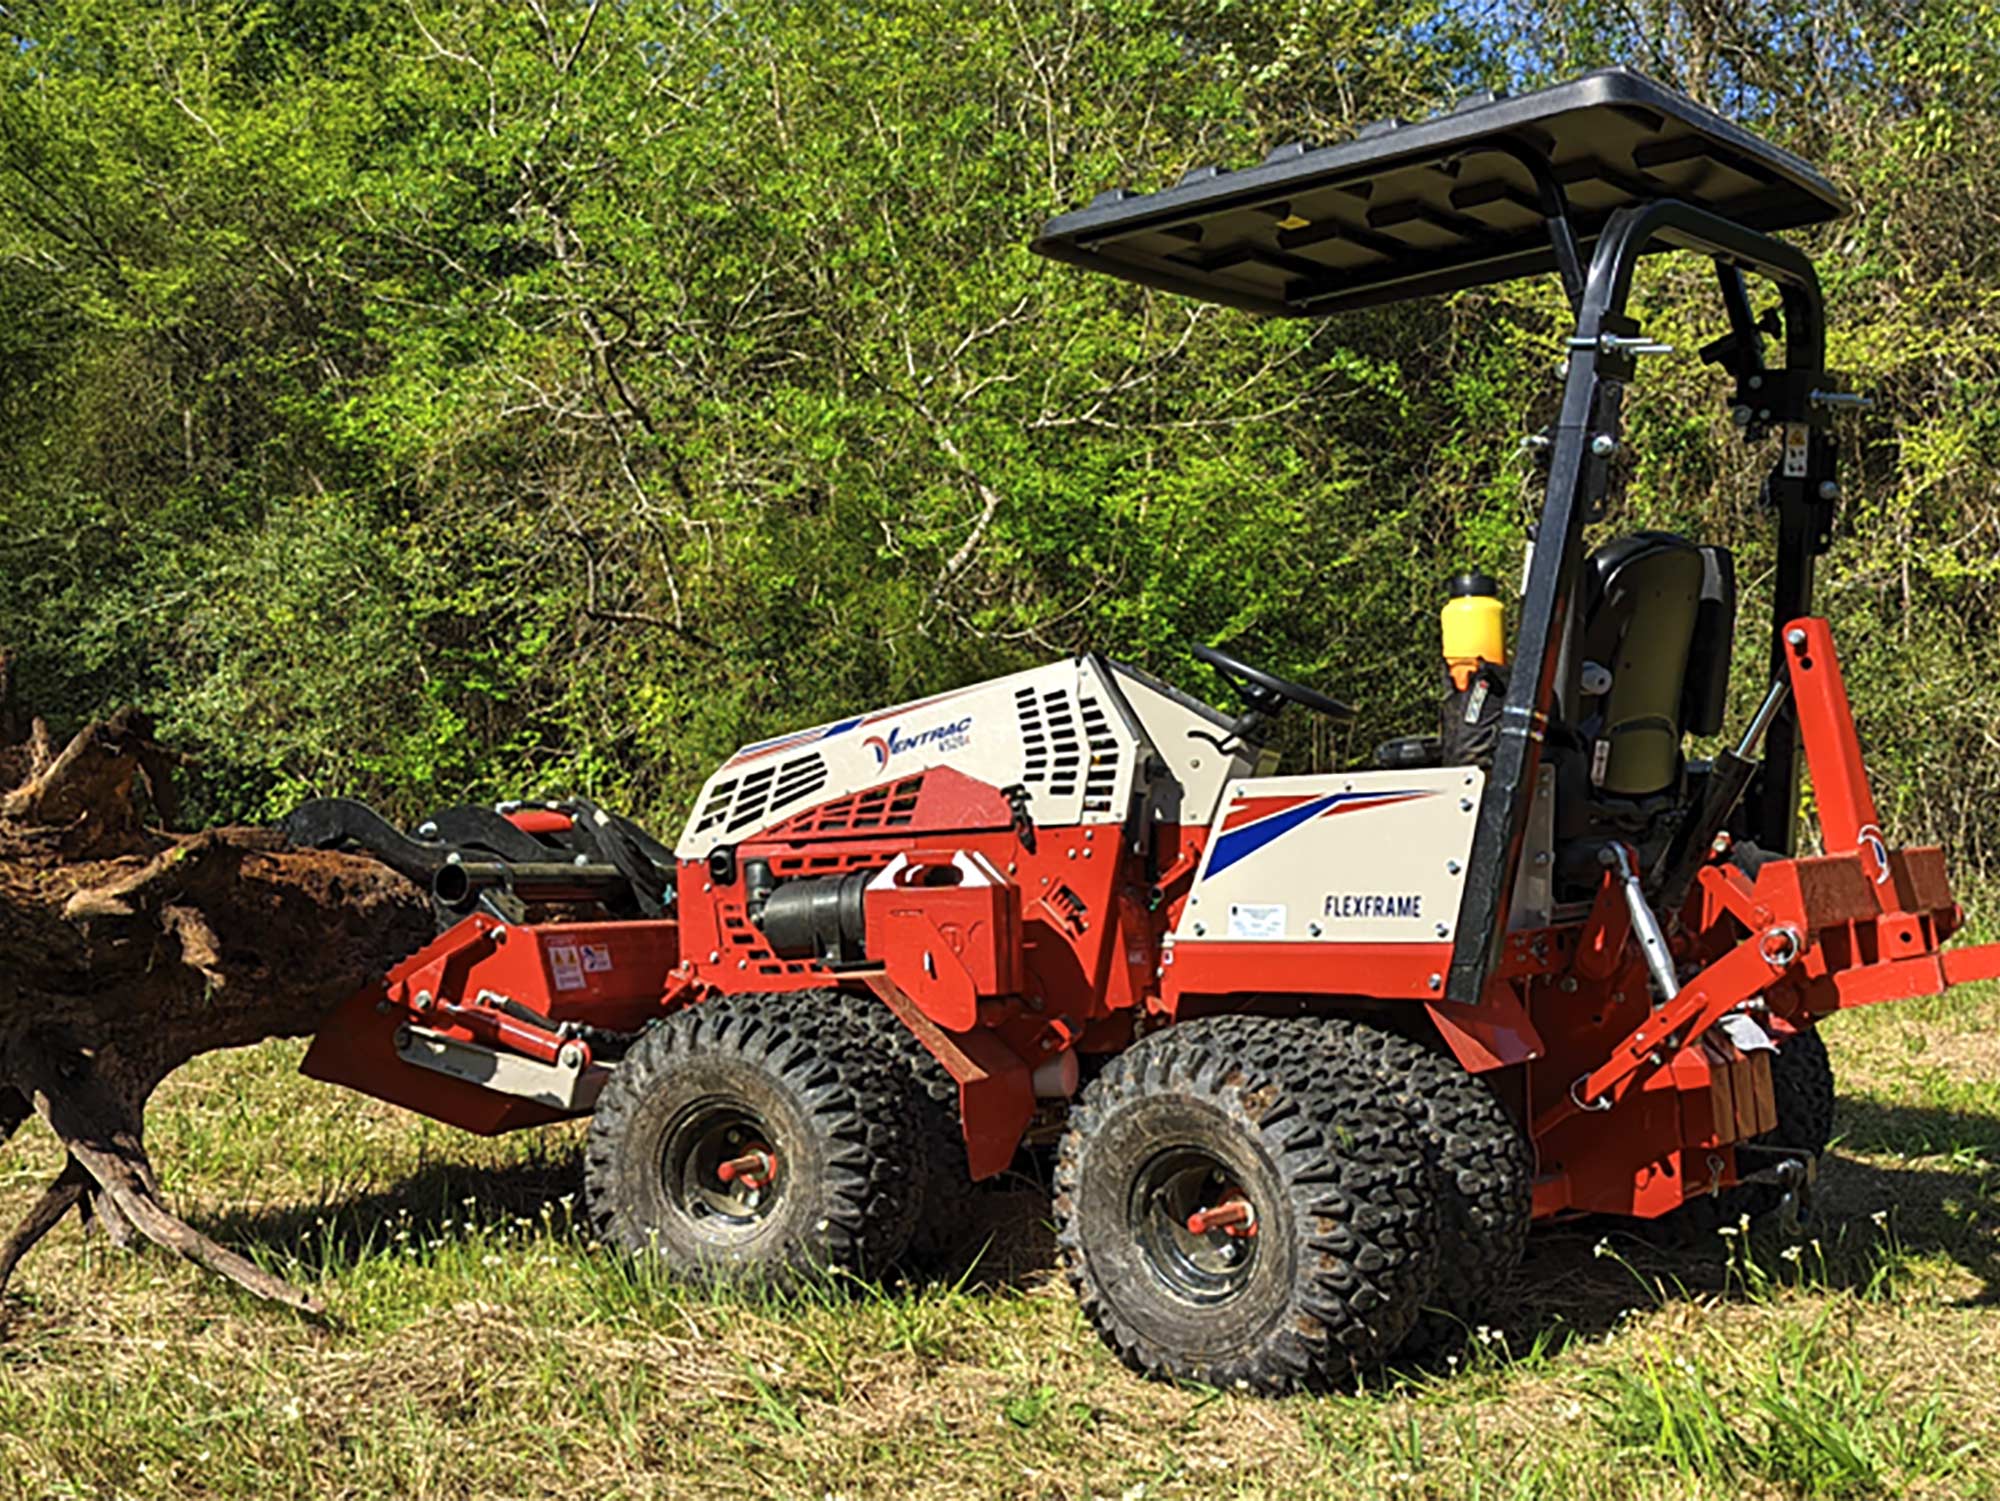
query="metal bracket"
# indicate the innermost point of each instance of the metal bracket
(1610, 343)
(569, 1084)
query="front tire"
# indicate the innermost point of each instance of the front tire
(763, 1138)
(1239, 1202)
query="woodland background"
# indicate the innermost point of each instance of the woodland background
(424, 402)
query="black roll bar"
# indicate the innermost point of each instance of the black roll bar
(1586, 435)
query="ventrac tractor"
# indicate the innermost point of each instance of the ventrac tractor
(1314, 1050)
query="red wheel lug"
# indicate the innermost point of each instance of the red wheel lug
(755, 1168)
(1235, 1215)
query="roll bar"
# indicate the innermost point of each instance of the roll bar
(1802, 488)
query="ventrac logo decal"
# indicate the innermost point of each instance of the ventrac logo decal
(945, 737)
(1254, 822)
(1876, 848)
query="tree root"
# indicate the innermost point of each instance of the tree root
(104, 1145)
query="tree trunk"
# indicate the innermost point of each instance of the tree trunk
(126, 950)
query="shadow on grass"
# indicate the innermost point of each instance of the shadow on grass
(441, 1199)
(1937, 1207)
(1943, 1206)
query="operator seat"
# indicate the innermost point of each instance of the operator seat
(1649, 660)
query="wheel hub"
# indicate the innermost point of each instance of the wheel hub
(1195, 1226)
(719, 1168)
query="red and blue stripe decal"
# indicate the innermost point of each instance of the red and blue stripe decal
(839, 727)
(1253, 822)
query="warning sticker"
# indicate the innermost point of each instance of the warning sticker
(565, 966)
(597, 958)
(1256, 919)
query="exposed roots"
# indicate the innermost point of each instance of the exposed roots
(125, 951)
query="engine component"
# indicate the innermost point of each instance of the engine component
(821, 918)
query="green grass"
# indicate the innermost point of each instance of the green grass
(483, 1345)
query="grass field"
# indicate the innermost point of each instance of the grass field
(483, 1346)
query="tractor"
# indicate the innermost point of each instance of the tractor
(1314, 1050)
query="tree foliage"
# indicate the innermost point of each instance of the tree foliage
(422, 401)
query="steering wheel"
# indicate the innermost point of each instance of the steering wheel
(1264, 693)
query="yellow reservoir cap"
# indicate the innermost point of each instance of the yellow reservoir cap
(1473, 624)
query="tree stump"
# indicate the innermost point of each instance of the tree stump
(126, 950)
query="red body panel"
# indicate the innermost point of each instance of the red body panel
(603, 974)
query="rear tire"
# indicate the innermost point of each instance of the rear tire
(1802, 1088)
(1486, 1179)
(789, 1076)
(1278, 1114)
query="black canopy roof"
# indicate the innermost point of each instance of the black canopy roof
(1406, 210)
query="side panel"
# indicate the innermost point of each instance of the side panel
(1053, 731)
(1345, 858)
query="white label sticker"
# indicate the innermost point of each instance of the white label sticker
(1256, 919)
(597, 958)
(1798, 438)
(566, 967)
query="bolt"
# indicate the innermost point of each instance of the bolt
(1541, 857)
(1444, 930)
(581, 860)
(1465, 805)
(1199, 930)
(1756, 382)
(1604, 445)
(1740, 416)
(1314, 929)
(497, 933)
(1829, 490)
(1451, 867)
(714, 956)
(424, 999)
(427, 830)
(1795, 637)
(1434, 981)
(1568, 986)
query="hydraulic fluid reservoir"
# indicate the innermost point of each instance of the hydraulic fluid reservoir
(1473, 623)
